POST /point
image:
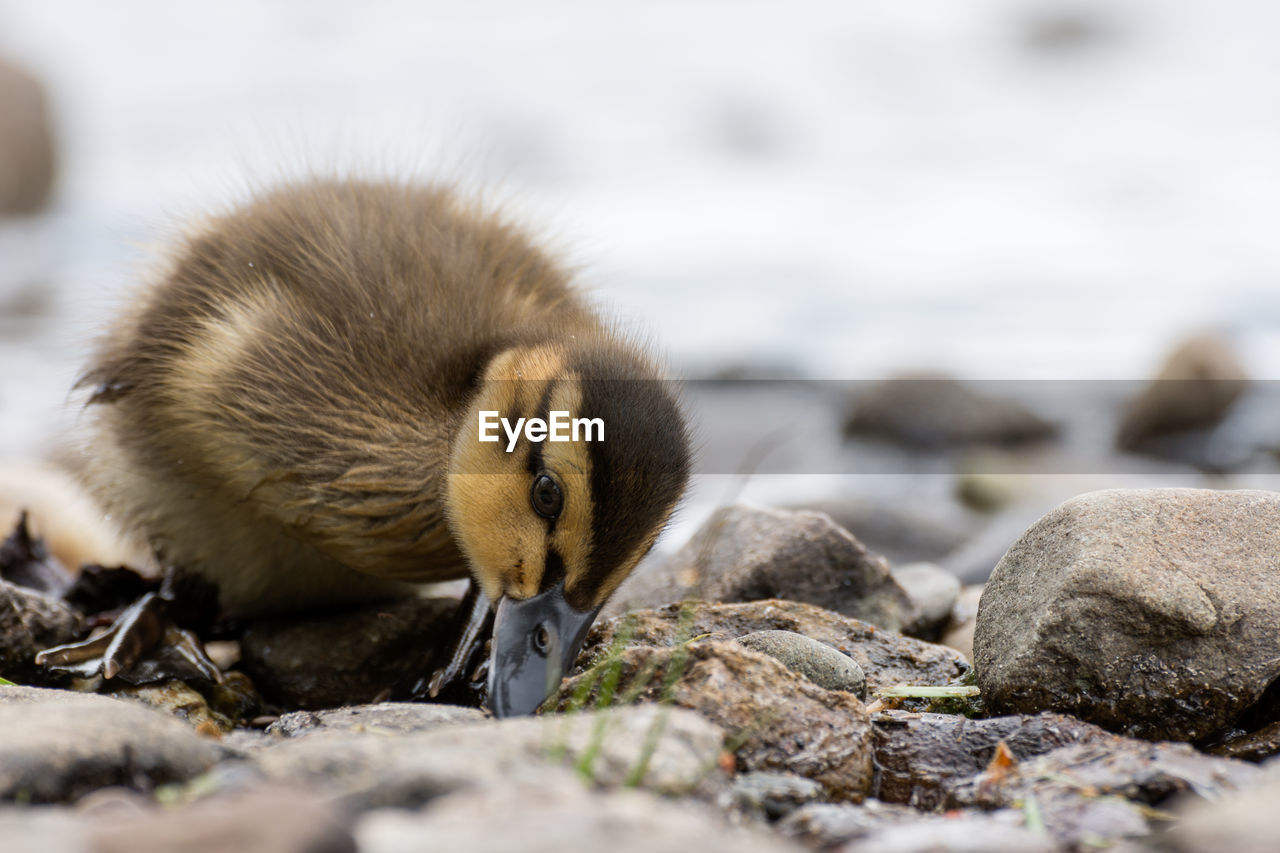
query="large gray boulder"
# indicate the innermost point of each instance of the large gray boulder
(1149, 612)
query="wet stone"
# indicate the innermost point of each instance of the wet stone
(1151, 612)
(824, 825)
(781, 722)
(886, 658)
(920, 758)
(1103, 790)
(816, 661)
(345, 658)
(30, 622)
(747, 554)
(57, 745)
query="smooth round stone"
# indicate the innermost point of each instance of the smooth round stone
(818, 662)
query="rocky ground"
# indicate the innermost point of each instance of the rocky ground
(749, 698)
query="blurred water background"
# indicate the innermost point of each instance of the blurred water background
(1047, 190)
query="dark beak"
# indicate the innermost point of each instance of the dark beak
(535, 642)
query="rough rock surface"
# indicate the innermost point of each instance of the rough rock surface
(558, 817)
(57, 745)
(385, 718)
(934, 591)
(1193, 389)
(1104, 788)
(774, 795)
(784, 722)
(26, 143)
(1245, 821)
(406, 770)
(746, 554)
(345, 658)
(934, 412)
(920, 758)
(886, 658)
(816, 661)
(890, 828)
(1148, 612)
(260, 820)
(29, 622)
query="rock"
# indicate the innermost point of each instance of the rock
(958, 633)
(934, 591)
(774, 794)
(784, 722)
(1244, 821)
(1249, 746)
(825, 825)
(886, 658)
(668, 750)
(816, 661)
(26, 143)
(29, 622)
(386, 718)
(903, 531)
(1192, 392)
(1103, 789)
(969, 832)
(555, 817)
(1148, 612)
(262, 820)
(41, 830)
(920, 758)
(177, 699)
(746, 554)
(56, 745)
(931, 412)
(347, 658)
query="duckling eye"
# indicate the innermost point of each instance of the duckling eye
(545, 497)
(542, 640)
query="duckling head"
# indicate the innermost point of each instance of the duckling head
(552, 527)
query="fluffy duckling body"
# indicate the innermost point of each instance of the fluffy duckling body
(292, 412)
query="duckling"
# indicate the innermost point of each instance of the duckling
(294, 413)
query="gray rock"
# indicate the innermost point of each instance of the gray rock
(668, 750)
(780, 721)
(902, 531)
(1102, 790)
(886, 658)
(774, 795)
(1249, 746)
(971, 832)
(348, 658)
(26, 143)
(262, 820)
(56, 745)
(747, 554)
(928, 411)
(558, 816)
(1148, 612)
(1243, 822)
(964, 620)
(1193, 390)
(934, 591)
(825, 825)
(920, 758)
(816, 661)
(386, 718)
(30, 622)
(40, 829)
